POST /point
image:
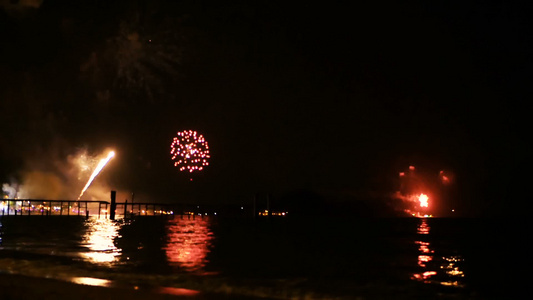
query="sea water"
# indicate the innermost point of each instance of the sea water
(281, 258)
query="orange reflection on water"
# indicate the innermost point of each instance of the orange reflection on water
(423, 259)
(448, 272)
(178, 291)
(424, 247)
(425, 253)
(99, 239)
(91, 281)
(453, 271)
(423, 228)
(424, 276)
(188, 243)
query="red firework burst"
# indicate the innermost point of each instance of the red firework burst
(189, 151)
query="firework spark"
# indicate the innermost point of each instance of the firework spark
(445, 177)
(189, 151)
(96, 171)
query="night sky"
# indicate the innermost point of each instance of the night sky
(316, 96)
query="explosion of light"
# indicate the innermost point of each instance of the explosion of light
(96, 171)
(189, 150)
(423, 198)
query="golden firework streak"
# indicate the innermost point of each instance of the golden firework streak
(96, 171)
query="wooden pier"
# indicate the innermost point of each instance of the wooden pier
(36, 207)
(124, 210)
(98, 209)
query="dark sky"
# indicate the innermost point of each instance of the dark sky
(321, 96)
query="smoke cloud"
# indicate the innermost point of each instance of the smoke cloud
(60, 178)
(9, 191)
(19, 7)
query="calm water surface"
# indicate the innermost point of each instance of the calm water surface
(278, 258)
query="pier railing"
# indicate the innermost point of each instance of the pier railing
(113, 210)
(100, 209)
(35, 207)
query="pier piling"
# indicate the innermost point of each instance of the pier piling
(113, 205)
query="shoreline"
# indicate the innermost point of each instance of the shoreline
(16, 286)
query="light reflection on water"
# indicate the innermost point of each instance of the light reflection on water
(154, 250)
(188, 243)
(423, 227)
(444, 270)
(99, 240)
(91, 281)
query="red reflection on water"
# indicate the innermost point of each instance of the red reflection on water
(423, 228)
(178, 291)
(188, 243)
(424, 276)
(424, 247)
(425, 253)
(448, 271)
(423, 259)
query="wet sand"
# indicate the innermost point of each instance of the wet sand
(14, 287)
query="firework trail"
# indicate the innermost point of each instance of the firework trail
(189, 151)
(96, 171)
